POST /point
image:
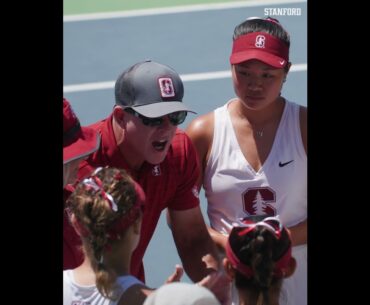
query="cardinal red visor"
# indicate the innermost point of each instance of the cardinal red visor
(261, 46)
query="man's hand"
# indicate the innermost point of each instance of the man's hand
(176, 276)
(219, 284)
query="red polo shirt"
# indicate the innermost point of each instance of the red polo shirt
(72, 255)
(169, 184)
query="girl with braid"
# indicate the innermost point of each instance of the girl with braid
(106, 211)
(258, 258)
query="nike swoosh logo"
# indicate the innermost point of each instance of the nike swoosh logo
(286, 163)
(282, 62)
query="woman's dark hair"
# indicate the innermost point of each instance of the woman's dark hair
(268, 25)
(259, 250)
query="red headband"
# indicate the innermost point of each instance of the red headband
(261, 46)
(246, 270)
(127, 220)
(236, 263)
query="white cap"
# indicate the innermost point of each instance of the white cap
(181, 294)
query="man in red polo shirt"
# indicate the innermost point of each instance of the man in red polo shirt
(141, 136)
(78, 143)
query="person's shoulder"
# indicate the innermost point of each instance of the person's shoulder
(303, 125)
(200, 131)
(302, 121)
(181, 140)
(135, 294)
(295, 104)
(201, 126)
(303, 115)
(302, 109)
(182, 150)
(126, 281)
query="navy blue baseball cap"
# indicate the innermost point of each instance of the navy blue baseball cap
(151, 89)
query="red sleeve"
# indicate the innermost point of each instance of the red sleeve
(186, 195)
(85, 169)
(72, 254)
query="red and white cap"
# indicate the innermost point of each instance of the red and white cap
(261, 46)
(78, 141)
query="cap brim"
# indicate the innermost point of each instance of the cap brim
(268, 58)
(156, 110)
(86, 144)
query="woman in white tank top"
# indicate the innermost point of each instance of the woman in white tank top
(105, 210)
(253, 149)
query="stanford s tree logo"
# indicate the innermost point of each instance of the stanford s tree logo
(166, 86)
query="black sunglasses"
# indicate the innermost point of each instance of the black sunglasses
(175, 118)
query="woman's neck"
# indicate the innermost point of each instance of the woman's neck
(84, 274)
(263, 116)
(120, 263)
(246, 299)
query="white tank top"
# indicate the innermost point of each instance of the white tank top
(235, 190)
(74, 293)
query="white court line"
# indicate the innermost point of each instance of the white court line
(184, 77)
(176, 9)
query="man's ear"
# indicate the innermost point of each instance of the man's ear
(230, 271)
(118, 114)
(289, 270)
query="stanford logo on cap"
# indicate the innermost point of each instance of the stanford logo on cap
(260, 41)
(166, 86)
